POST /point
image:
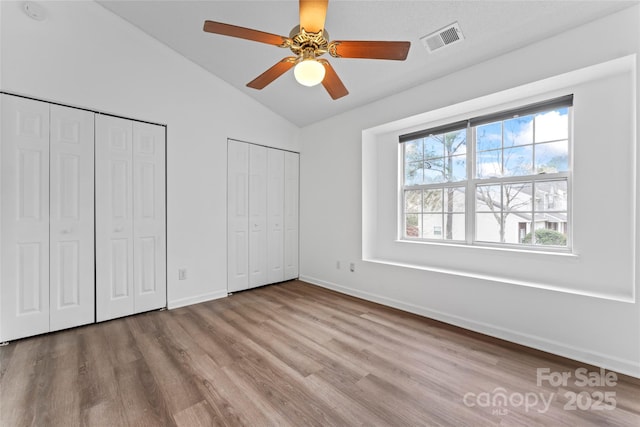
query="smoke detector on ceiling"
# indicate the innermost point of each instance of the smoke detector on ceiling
(446, 36)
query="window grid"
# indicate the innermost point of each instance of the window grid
(527, 233)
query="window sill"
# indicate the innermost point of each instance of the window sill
(504, 280)
(488, 247)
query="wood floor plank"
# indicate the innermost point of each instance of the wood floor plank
(319, 353)
(197, 415)
(167, 362)
(141, 397)
(64, 402)
(97, 383)
(355, 412)
(18, 382)
(291, 354)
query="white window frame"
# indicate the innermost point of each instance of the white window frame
(471, 183)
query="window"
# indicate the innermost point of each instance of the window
(499, 179)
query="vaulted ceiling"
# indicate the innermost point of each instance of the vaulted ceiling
(490, 28)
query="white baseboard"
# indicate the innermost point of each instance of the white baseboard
(623, 366)
(196, 299)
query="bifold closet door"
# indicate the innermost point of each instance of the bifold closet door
(237, 216)
(149, 223)
(72, 269)
(114, 217)
(25, 218)
(291, 214)
(275, 215)
(130, 217)
(257, 215)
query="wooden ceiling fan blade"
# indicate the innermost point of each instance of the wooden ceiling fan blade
(246, 33)
(272, 73)
(395, 50)
(313, 14)
(332, 82)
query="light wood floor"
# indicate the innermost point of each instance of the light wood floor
(291, 354)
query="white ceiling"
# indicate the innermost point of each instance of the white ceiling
(490, 28)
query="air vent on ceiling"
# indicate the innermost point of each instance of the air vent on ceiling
(443, 37)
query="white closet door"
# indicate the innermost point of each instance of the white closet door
(291, 209)
(257, 215)
(275, 215)
(237, 216)
(149, 241)
(72, 285)
(24, 300)
(114, 218)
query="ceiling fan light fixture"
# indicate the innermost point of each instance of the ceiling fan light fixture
(309, 72)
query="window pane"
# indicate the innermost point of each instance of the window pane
(552, 157)
(413, 150)
(512, 226)
(489, 164)
(455, 199)
(412, 225)
(553, 220)
(552, 125)
(433, 146)
(518, 131)
(456, 168)
(456, 142)
(412, 201)
(518, 161)
(517, 196)
(454, 227)
(433, 200)
(488, 198)
(413, 173)
(434, 171)
(551, 196)
(489, 136)
(488, 227)
(524, 233)
(547, 235)
(432, 226)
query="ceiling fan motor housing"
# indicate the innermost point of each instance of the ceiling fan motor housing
(303, 43)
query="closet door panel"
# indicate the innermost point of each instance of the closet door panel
(72, 285)
(237, 216)
(149, 232)
(275, 215)
(24, 247)
(114, 218)
(257, 215)
(291, 209)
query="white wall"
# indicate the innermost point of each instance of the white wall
(602, 199)
(85, 56)
(604, 331)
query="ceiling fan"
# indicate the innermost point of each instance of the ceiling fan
(308, 41)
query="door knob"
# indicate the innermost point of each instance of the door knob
(118, 229)
(66, 231)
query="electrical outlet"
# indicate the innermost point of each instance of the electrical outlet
(182, 274)
(352, 267)
(338, 265)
